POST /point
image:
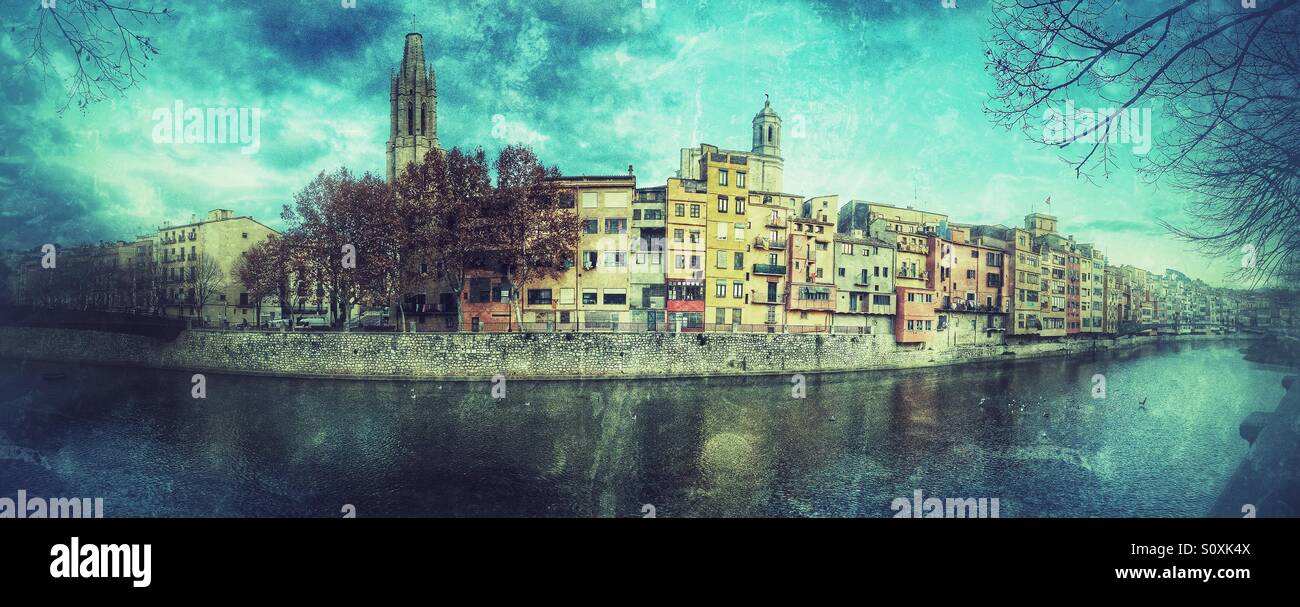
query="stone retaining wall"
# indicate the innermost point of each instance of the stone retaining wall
(520, 355)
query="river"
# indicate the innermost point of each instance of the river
(1032, 434)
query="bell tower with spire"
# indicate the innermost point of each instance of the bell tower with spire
(767, 131)
(413, 109)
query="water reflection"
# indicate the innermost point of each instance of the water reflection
(1029, 433)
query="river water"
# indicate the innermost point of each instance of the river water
(1032, 434)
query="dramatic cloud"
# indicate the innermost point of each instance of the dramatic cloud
(881, 100)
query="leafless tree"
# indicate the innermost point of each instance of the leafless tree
(207, 280)
(103, 39)
(1225, 79)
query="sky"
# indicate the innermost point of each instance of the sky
(881, 100)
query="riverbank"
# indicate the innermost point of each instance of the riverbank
(481, 356)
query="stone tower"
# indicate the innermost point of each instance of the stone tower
(767, 131)
(413, 109)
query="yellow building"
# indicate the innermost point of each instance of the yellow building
(769, 220)
(726, 238)
(592, 292)
(193, 287)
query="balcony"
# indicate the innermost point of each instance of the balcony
(812, 297)
(768, 269)
(775, 222)
(763, 298)
(914, 248)
(764, 242)
(962, 305)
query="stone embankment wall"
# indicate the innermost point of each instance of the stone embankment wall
(520, 355)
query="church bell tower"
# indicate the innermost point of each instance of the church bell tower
(413, 111)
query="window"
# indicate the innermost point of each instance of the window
(739, 261)
(695, 210)
(722, 231)
(880, 300)
(738, 290)
(616, 200)
(588, 260)
(740, 179)
(679, 210)
(722, 316)
(970, 274)
(821, 246)
(679, 235)
(566, 296)
(740, 206)
(695, 262)
(539, 297)
(695, 236)
(720, 289)
(722, 204)
(615, 226)
(847, 248)
(722, 259)
(615, 259)
(590, 226)
(566, 199)
(588, 297)
(615, 297)
(841, 272)
(722, 176)
(680, 262)
(740, 232)
(589, 200)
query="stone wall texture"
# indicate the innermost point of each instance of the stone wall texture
(477, 356)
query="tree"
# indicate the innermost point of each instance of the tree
(207, 280)
(108, 51)
(444, 198)
(532, 235)
(1226, 76)
(261, 272)
(322, 220)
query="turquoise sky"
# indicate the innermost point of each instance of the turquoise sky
(881, 101)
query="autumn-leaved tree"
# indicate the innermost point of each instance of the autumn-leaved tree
(263, 272)
(455, 190)
(532, 233)
(322, 221)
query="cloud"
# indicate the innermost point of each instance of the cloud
(882, 100)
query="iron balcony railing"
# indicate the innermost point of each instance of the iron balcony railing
(769, 269)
